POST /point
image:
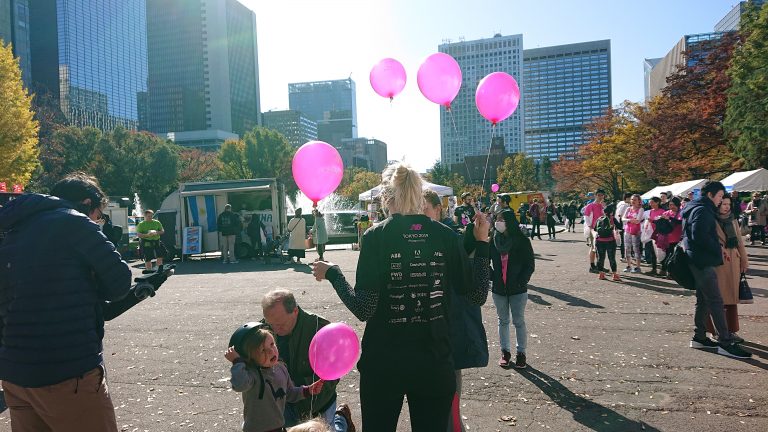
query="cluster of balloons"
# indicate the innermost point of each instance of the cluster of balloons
(439, 80)
(334, 351)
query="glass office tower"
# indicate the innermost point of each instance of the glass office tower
(565, 88)
(91, 55)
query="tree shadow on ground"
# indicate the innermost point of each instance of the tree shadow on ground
(651, 286)
(569, 299)
(209, 266)
(590, 414)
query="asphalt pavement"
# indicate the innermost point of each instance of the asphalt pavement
(602, 356)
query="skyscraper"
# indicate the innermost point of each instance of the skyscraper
(565, 87)
(472, 133)
(732, 20)
(14, 30)
(331, 104)
(367, 153)
(90, 55)
(203, 69)
(297, 128)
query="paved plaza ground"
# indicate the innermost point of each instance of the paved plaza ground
(603, 356)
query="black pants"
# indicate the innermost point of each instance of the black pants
(536, 228)
(551, 229)
(429, 388)
(320, 250)
(621, 247)
(758, 232)
(603, 249)
(669, 251)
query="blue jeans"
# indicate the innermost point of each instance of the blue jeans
(339, 424)
(328, 415)
(516, 305)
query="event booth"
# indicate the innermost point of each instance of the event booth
(677, 189)
(442, 191)
(747, 181)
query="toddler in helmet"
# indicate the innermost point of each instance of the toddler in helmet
(262, 379)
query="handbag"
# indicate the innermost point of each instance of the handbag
(309, 242)
(678, 269)
(745, 293)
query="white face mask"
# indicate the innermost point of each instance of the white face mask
(500, 226)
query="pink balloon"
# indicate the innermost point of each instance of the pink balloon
(334, 351)
(388, 78)
(317, 169)
(497, 96)
(439, 79)
(494, 187)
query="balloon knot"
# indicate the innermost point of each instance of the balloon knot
(448, 107)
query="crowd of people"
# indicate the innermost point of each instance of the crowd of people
(419, 284)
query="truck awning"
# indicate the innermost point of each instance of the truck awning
(203, 188)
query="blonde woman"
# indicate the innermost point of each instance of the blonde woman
(407, 275)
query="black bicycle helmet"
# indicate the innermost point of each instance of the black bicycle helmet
(244, 330)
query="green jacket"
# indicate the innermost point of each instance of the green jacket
(307, 324)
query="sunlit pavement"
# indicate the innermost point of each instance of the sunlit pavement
(603, 356)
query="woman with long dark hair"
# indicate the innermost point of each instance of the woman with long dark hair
(513, 264)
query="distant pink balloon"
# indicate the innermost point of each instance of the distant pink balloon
(494, 187)
(317, 169)
(388, 78)
(497, 96)
(439, 79)
(334, 350)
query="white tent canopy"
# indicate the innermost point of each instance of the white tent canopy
(677, 189)
(369, 195)
(747, 181)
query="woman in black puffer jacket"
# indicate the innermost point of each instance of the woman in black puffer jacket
(513, 264)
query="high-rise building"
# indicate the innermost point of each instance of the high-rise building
(367, 153)
(203, 68)
(297, 128)
(564, 88)
(463, 131)
(648, 65)
(331, 104)
(90, 55)
(696, 46)
(732, 20)
(14, 30)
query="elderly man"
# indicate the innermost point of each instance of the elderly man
(295, 329)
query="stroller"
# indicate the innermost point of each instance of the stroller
(277, 248)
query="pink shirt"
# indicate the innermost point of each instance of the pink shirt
(677, 228)
(504, 262)
(632, 213)
(594, 210)
(655, 214)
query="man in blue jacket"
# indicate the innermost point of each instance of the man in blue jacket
(56, 271)
(704, 252)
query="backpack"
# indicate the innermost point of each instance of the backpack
(604, 227)
(677, 266)
(663, 226)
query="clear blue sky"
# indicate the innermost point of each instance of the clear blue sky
(310, 40)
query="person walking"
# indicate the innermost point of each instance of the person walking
(592, 213)
(319, 233)
(703, 249)
(551, 213)
(406, 278)
(297, 229)
(533, 211)
(513, 264)
(229, 225)
(56, 272)
(757, 209)
(605, 242)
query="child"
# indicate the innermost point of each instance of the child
(263, 381)
(605, 242)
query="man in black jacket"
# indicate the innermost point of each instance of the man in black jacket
(704, 251)
(56, 271)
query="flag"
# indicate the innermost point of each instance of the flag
(3, 187)
(17, 188)
(202, 211)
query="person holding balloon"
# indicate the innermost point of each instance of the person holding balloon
(262, 378)
(406, 277)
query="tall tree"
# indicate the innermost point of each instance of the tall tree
(198, 165)
(517, 173)
(746, 119)
(362, 181)
(18, 128)
(262, 153)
